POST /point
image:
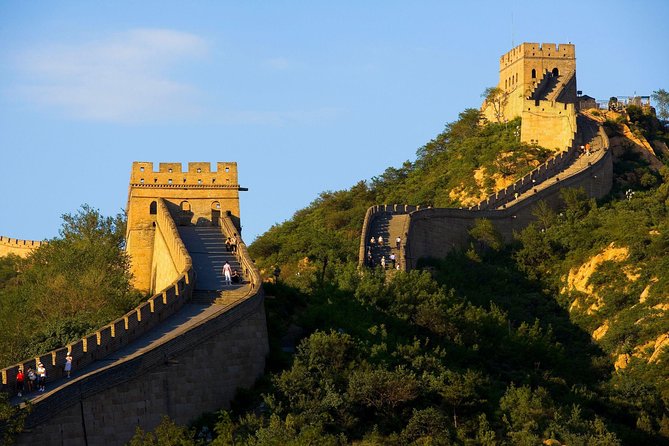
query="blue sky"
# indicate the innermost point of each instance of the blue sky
(305, 96)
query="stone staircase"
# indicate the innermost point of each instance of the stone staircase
(389, 226)
(206, 246)
(550, 87)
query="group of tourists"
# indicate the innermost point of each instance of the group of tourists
(35, 379)
(586, 149)
(231, 243)
(377, 244)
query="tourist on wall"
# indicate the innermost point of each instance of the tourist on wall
(227, 272)
(19, 382)
(32, 377)
(383, 262)
(398, 242)
(68, 365)
(41, 377)
(228, 244)
(380, 240)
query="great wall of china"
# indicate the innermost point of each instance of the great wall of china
(538, 84)
(188, 348)
(184, 351)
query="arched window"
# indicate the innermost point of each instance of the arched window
(555, 72)
(534, 73)
(153, 208)
(185, 206)
(216, 205)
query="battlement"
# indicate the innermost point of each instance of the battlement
(528, 50)
(18, 247)
(171, 175)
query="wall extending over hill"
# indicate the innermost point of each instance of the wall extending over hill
(434, 232)
(132, 325)
(17, 247)
(190, 369)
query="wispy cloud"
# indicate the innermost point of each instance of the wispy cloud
(124, 78)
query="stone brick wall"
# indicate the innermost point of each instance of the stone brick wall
(436, 232)
(17, 247)
(548, 124)
(196, 372)
(127, 328)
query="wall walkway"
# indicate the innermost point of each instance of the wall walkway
(185, 363)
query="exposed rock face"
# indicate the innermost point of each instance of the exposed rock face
(622, 361)
(578, 278)
(601, 331)
(661, 343)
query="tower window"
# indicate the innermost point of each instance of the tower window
(169, 170)
(555, 72)
(141, 180)
(169, 181)
(153, 208)
(141, 169)
(534, 73)
(199, 170)
(199, 181)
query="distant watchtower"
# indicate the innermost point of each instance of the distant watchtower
(197, 196)
(538, 82)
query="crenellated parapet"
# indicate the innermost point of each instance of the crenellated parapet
(198, 175)
(17, 247)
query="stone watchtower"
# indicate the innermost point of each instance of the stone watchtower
(538, 82)
(197, 196)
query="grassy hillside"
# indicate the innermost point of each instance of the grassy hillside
(459, 167)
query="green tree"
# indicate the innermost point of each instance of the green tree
(496, 98)
(12, 419)
(67, 287)
(167, 433)
(661, 98)
(486, 234)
